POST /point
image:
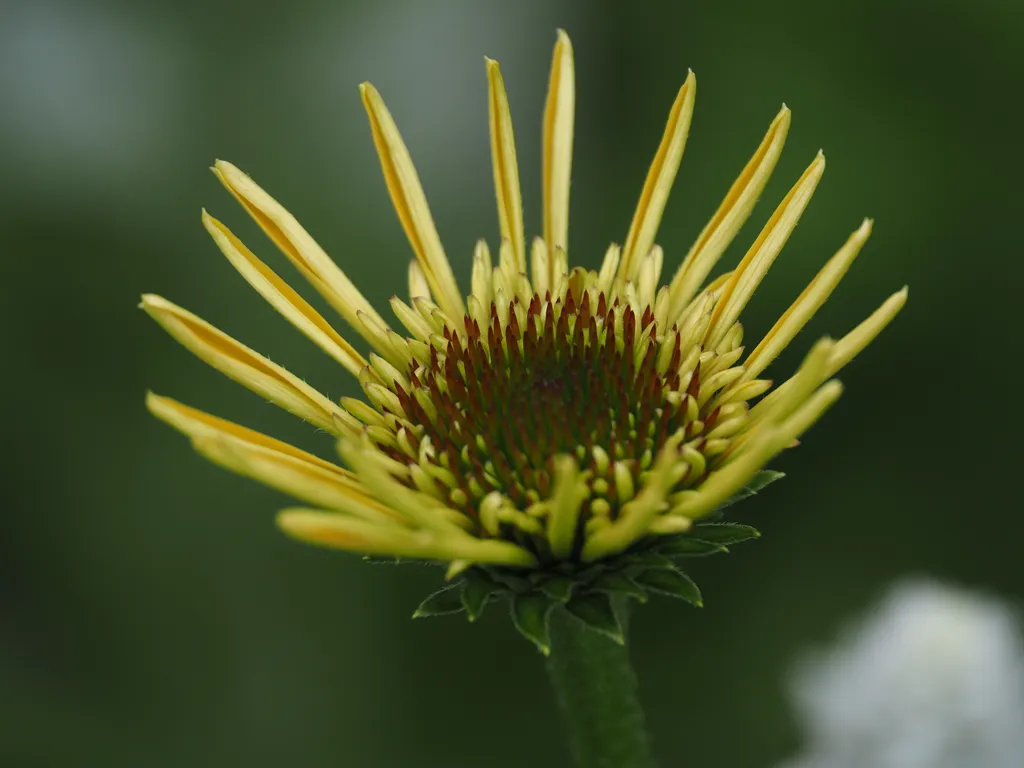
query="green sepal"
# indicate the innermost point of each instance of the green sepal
(724, 533)
(595, 610)
(443, 602)
(620, 584)
(476, 594)
(558, 588)
(673, 583)
(755, 484)
(689, 546)
(530, 614)
(517, 584)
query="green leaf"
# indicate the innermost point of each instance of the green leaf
(595, 610)
(755, 484)
(618, 584)
(724, 533)
(476, 594)
(530, 614)
(687, 546)
(558, 588)
(672, 583)
(442, 602)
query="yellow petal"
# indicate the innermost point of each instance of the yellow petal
(731, 214)
(755, 264)
(330, 529)
(803, 309)
(302, 480)
(199, 425)
(556, 170)
(841, 352)
(659, 182)
(411, 204)
(341, 532)
(301, 249)
(853, 343)
(238, 362)
(506, 167)
(282, 297)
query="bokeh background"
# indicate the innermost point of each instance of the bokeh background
(152, 615)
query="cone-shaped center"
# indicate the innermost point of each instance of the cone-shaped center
(587, 379)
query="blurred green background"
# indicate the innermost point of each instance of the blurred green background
(151, 613)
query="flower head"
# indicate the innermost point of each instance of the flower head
(568, 425)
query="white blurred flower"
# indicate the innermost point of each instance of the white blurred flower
(934, 678)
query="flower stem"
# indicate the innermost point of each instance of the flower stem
(596, 690)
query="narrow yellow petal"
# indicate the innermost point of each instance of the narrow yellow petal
(841, 353)
(803, 309)
(418, 285)
(506, 167)
(556, 170)
(341, 532)
(411, 204)
(755, 264)
(238, 362)
(731, 214)
(330, 529)
(296, 243)
(199, 425)
(659, 182)
(282, 297)
(853, 343)
(304, 481)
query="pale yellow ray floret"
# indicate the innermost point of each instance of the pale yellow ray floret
(297, 244)
(733, 211)
(283, 297)
(802, 310)
(556, 146)
(411, 204)
(238, 362)
(761, 255)
(506, 166)
(658, 184)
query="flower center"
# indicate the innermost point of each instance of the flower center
(585, 378)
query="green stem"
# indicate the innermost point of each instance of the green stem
(596, 690)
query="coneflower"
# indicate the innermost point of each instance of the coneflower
(560, 435)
